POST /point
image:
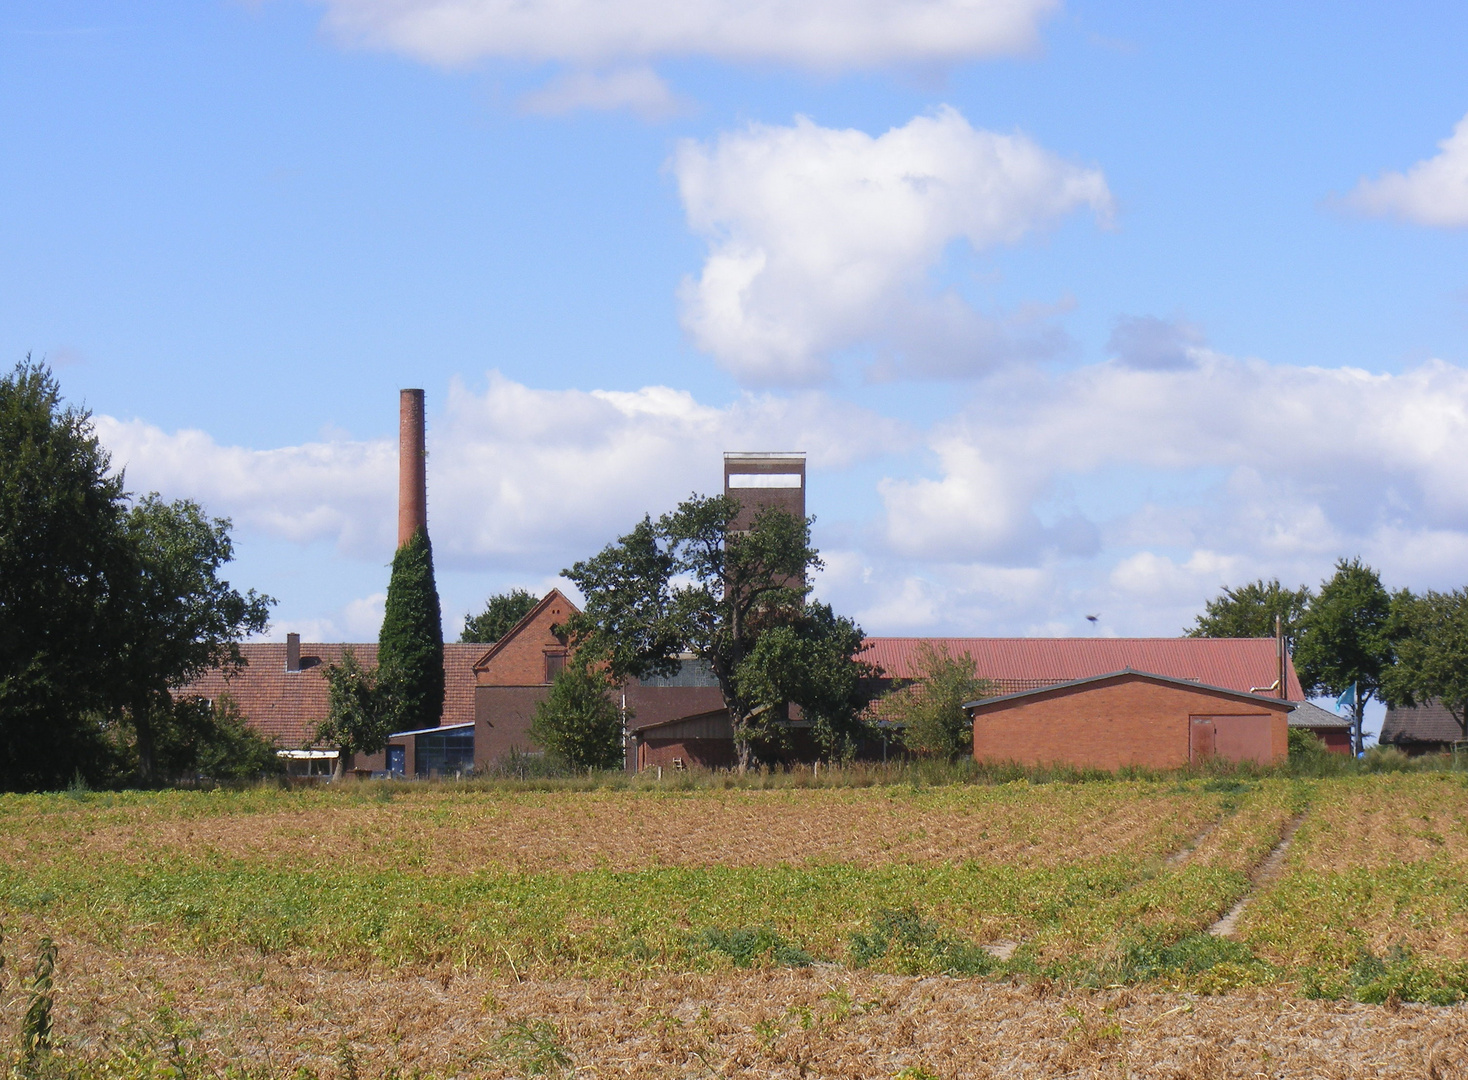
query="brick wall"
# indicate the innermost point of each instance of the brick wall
(520, 659)
(1128, 720)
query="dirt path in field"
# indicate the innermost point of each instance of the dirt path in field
(1264, 873)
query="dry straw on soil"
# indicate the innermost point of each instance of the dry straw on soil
(569, 831)
(277, 1018)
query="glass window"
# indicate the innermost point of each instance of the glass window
(444, 753)
(689, 673)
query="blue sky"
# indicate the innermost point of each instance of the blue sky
(1078, 308)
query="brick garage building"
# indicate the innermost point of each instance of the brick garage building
(1130, 718)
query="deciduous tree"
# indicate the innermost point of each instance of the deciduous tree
(1432, 653)
(1250, 611)
(1347, 637)
(579, 723)
(929, 708)
(182, 618)
(359, 710)
(736, 600)
(65, 563)
(501, 612)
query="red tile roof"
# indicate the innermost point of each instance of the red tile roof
(287, 706)
(1018, 664)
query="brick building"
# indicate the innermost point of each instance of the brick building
(1130, 718)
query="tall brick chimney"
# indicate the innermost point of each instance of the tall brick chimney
(412, 467)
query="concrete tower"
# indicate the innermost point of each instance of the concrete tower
(412, 467)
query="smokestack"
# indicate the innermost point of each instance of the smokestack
(412, 469)
(293, 652)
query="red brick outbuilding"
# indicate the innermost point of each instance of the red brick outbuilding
(1130, 718)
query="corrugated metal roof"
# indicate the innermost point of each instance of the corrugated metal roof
(1028, 663)
(1125, 673)
(1430, 723)
(287, 706)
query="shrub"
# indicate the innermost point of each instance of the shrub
(579, 723)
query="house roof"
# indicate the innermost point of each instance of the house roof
(1148, 676)
(287, 705)
(1309, 715)
(1430, 723)
(529, 617)
(1017, 664)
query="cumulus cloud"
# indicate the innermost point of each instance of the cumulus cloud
(639, 90)
(821, 239)
(821, 34)
(1150, 343)
(518, 477)
(1432, 192)
(1195, 477)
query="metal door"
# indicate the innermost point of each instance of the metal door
(397, 760)
(1202, 738)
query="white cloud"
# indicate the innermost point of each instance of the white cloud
(821, 34)
(517, 476)
(1432, 192)
(820, 239)
(341, 490)
(1194, 478)
(638, 89)
(1131, 493)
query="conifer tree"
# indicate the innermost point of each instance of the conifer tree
(410, 646)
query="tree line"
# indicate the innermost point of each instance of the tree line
(1399, 647)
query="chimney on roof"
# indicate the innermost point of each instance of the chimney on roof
(293, 652)
(1280, 655)
(412, 467)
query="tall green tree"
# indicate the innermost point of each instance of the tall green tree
(738, 600)
(1432, 653)
(359, 710)
(1347, 636)
(578, 722)
(66, 567)
(183, 618)
(105, 608)
(410, 645)
(201, 738)
(1250, 610)
(501, 612)
(929, 708)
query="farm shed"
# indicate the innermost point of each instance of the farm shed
(1130, 718)
(705, 741)
(1420, 729)
(1328, 727)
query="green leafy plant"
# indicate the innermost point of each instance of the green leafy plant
(912, 945)
(535, 1046)
(35, 1026)
(746, 947)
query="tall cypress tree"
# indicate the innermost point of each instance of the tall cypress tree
(410, 647)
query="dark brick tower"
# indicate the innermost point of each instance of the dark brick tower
(759, 480)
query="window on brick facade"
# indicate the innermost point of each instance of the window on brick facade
(554, 662)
